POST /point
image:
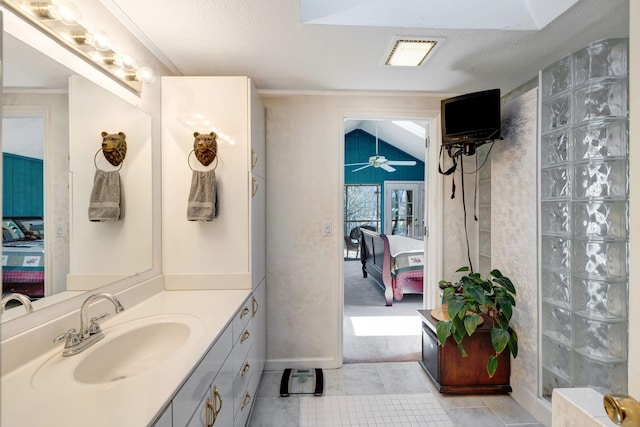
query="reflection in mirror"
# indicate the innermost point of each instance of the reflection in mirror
(35, 139)
(78, 255)
(105, 251)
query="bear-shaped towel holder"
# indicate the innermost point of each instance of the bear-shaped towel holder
(205, 148)
(114, 148)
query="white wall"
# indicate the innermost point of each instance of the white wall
(305, 150)
(514, 235)
(213, 254)
(455, 251)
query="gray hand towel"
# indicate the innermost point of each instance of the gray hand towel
(104, 204)
(203, 196)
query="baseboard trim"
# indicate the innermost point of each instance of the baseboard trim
(538, 407)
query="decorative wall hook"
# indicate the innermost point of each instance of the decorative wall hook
(114, 147)
(205, 148)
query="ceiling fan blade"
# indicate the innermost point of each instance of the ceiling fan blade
(357, 164)
(402, 162)
(386, 167)
(363, 167)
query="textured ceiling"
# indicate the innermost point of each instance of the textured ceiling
(267, 41)
(340, 45)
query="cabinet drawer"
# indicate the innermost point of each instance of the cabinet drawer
(244, 408)
(242, 346)
(241, 381)
(190, 395)
(258, 326)
(241, 319)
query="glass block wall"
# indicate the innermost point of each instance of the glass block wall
(584, 219)
(484, 211)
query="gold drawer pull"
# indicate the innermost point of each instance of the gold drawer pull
(210, 413)
(244, 311)
(245, 336)
(213, 410)
(245, 369)
(217, 403)
(246, 400)
(254, 158)
(254, 306)
(254, 185)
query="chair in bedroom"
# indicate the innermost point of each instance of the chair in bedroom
(353, 239)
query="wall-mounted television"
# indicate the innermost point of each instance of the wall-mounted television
(471, 119)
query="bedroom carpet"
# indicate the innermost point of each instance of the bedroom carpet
(373, 332)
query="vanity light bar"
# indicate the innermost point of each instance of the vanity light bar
(61, 20)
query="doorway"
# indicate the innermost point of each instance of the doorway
(25, 256)
(384, 177)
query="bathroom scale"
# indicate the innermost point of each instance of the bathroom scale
(301, 381)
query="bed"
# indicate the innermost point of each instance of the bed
(396, 263)
(23, 257)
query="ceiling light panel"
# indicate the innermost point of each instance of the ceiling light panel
(410, 52)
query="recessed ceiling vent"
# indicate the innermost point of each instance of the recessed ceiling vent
(410, 52)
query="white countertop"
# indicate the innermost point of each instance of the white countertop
(133, 401)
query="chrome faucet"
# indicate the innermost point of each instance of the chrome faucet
(622, 409)
(90, 331)
(23, 299)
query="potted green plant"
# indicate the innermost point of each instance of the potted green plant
(473, 298)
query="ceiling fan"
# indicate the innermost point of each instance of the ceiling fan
(379, 161)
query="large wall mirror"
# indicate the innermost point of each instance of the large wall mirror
(51, 140)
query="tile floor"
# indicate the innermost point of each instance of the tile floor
(354, 386)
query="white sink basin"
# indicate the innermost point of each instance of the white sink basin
(128, 349)
(131, 353)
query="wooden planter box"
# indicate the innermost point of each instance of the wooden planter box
(452, 373)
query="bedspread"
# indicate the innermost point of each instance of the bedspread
(395, 262)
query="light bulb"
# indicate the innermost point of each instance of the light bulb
(101, 40)
(121, 73)
(128, 61)
(68, 13)
(145, 74)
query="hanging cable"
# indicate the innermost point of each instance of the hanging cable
(475, 192)
(464, 209)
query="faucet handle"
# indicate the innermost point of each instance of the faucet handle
(94, 328)
(71, 336)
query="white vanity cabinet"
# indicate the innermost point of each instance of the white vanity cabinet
(221, 390)
(229, 251)
(249, 356)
